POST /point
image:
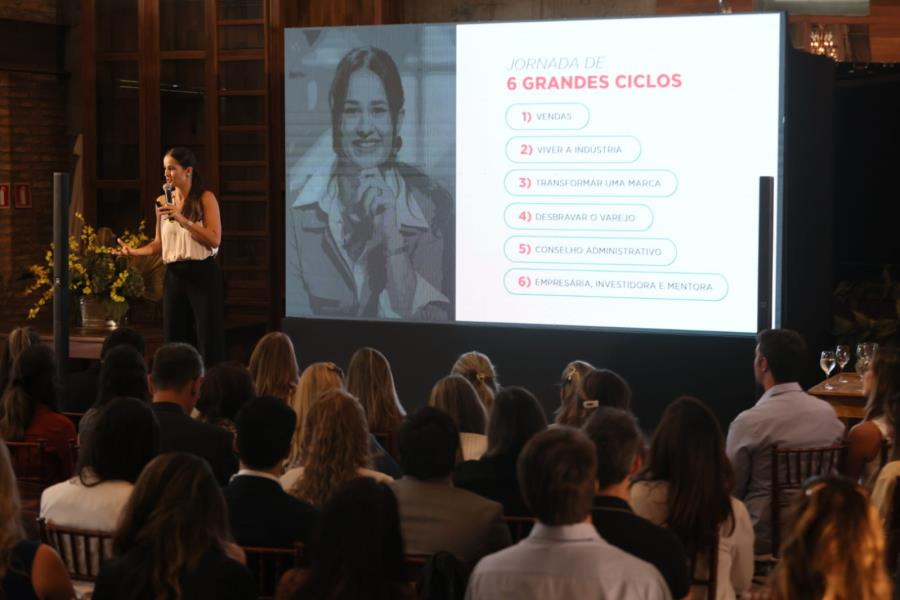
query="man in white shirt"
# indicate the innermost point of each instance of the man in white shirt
(785, 416)
(563, 557)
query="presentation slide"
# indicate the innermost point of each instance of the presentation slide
(596, 173)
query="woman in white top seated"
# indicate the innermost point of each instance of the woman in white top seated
(124, 439)
(188, 234)
(334, 449)
(686, 486)
(881, 387)
(457, 397)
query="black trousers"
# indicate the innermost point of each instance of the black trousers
(194, 307)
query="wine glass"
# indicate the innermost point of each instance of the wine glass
(842, 355)
(827, 362)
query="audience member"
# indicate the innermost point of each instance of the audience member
(334, 449)
(516, 417)
(785, 416)
(80, 387)
(602, 387)
(686, 487)
(18, 339)
(358, 552)
(28, 569)
(225, 389)
(263, 514)
(434, 515)
(315, 380)
(175, 384)
(123, 373)
(173, 540)
(618, 442)
(478, 369)
(835, 547)
(571, 410)
(273, 366)
(456, 396)
(125, 438)
(370, 380)
(28, 410)
(881, 387)
(563, 557)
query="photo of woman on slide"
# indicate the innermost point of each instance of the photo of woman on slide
(369, 236)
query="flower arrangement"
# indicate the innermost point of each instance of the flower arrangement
(95, 270)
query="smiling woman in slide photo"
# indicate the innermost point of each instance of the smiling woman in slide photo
(371, 233)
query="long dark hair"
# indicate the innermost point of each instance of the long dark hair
(515, 418)
(457, 397)
(885, 398)
(33, 381)
(176, 514)
(688, 452)
(193, 208)
(18, 339)
(369, 378)
(123, 372)
(358, 549)
(123, 440)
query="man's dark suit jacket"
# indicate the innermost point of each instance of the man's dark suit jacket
(180, 433)
(80, 390)
(263, 514)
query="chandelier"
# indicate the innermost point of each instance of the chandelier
(821, 41)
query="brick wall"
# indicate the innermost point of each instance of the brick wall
(33, 144)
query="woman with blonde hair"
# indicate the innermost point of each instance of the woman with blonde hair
(273, 366)
(571, 411)
(370, 380)
(28, 569)
(315, 380)
(335, 449)
(18, 339)
(835, 549)
(480, 371)
(457, 397)
(174, 538)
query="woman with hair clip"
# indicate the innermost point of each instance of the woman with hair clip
(571, 410)
(457, 397)
(686, 486)
(334, 449)
(29, 570)
(480, 371)
(370, 380)
(881, 387)
(372, 234)
(174, 540)
(18, 339)
(188, 235)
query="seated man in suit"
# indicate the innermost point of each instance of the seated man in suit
(263, 514)
(617, 439)
(175, 386)
(434, 515)
(785, 416)
(563, 557)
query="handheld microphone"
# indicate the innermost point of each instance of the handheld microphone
(169, 190)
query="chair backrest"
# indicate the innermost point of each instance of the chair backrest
(893, 529)
(519, 527)
(790, 468)
(711, 563)
(83, 551)
(29, 461)
(268, 565)
(443, 576)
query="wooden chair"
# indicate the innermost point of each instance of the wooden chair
(790, 468)
(712, 568)
(519, 527)
(268, 565)
(83, 551)
(29, 462)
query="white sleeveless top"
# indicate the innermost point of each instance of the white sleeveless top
(179, 244)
